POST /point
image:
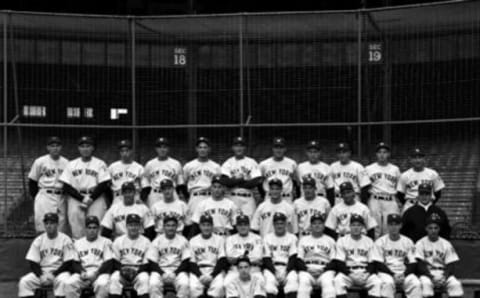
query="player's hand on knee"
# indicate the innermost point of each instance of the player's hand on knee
(399, 278)
(46, 279)
(206, 279)
(168, 278)
(438, 281)
(87, 200)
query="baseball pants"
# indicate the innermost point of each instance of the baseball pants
(76, 215)
(192, 205)
(182, 284)
(381, 207)
(140, 284)
(247, 205)
(289, 281)
(46, 202)
(306, 284)
(233, 273)
(410, 285)
(75, 284)
(215, 289)
(30, 282)
(343, 282)
(452, 285)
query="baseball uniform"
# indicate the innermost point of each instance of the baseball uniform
(284, 169)
(162, 209)
(222, 211)
(352, 172)
(411, 179)
(263, 218)
(304, 209)
(120, 173)
(320, 172)
(156, 171)
(50, 198)
(338, 219)
(115, 218)
(255, 287)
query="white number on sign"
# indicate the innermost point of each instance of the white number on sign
(179, 59)
(374, 56)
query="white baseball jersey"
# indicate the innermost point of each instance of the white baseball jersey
(131, 251)
(125, 172)
(206, 252)
(316, 252)
(84, 176)
(249, 289)
(116, 216)
(169, 253)
(280, 248)
(47, 171)
(223, 212)
(262, 220)
(92, 254)
(199, 174)
(157, 170)
(395, 254)
(320, 172)
(236, 245)
(411, 179)
(436, 254)
(384, 179)
(284, 170)
(246, 167)
(51, 253)
(355, 252)
(339, 218)
(352, 172)
(304, 210)
(161, 209)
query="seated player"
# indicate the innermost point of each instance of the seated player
(130, 261)
(354, 261)
(280, 259)
(395, 261)
(93, 264)
(114, 221)
(245, 285)
(315, 254)
(207, 261)
(50, 256)
(169, 258)
(437, 257)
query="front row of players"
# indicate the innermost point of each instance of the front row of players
(241, 265)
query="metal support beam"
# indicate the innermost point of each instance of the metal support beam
(133, 83)
(359, 82)
(5, 119)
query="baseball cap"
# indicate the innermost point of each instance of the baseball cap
(417, 152)
(124, 143)
(425, 188)
(346, 186)
(206, 218)
(275, 181)
(133, 218)
(170, 218)
(313, 145)
(92, 219)
(50, 217)
(357, 218)
(434, 218)
(279, 217)
(202, 140)
(382, 145)
(309, 181)
(342, 147)
(317, 216)
(239, 141)
(394, 218)
(85, 140)
(161, 141)
(166, 183)
(128, 186)
(217, 179)
(278, 142)
(242, 218)
(54, 140)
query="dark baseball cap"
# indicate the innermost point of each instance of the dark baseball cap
(239, 141)
(86, 140)
(92, 219)
(357, 218)
(394, 218)
(346, 186)
(166, 183)
(50, 217)
(275, 181)
(161, 141)
(242, 218)
(218, 179)
(202, 140)
(425, 188)
(342, 147)
(382, 145)
(317, 216)
(417, 152)
(206, 218)
(313, 145)
(128, 186)
(278, 142)
(279, 217)
(309, 181)
(54, 140)
(170, 218)
(124, 143)
(434, 218)
(133, 218)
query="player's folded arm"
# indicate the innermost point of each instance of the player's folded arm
(249, 184)
(106, 232)
(100, 189)
(331, 233)
(183, 267)
(154, 267)
(182, 188)
(401, 197)
(69, 190)
(331, 196)
(150, 233)
(301, 266)
(268, 264)
(231, 181)
(193, 268)
(77, 267)
(341, 267)
(381, 267)
(117, 266)
(107, 267)
(221, 265)
(422, 268)
(371, 234)
(332, 265)
(194, 230)
(450, 269)
(36, 268)
(364, 194)
(292, 263)
(66, 266)
(144, 193)
(33, 188)
(411, 268)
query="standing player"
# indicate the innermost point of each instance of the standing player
(309, 205)
(347, 170)
(315, 169)
(280, 259)
(437, 259)
(279, 167)
(93, 264)
(169, 258)
(50, 256)
(262, 221)
(208, 261)
(85, 181)
(169, 207)
(243, 174)
(124, 170)
(158, 169)
(45, 186)
(410, 180)
(315, 253)
(396, 261)
(245, 285)
(384, 177)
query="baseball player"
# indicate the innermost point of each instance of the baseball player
(50, 256)
(85, 181)
(130, 261)
(315, 169)
(158, 169)
(222, 210)
(407, 187)
(437, 257)
(354, 256)
(309, 205)
(170, 206)
(338, 220)
(262, 219)
(45, 186)
(384, 177)
(169, 256)
(242, 175)
(395, 261)
(198, 174)
(207, 261)
(280, 259)
(93, 263)
(347, 170)
(124, 170)
(245, 285)
(114, 222)
(315, 253)
(279, 167)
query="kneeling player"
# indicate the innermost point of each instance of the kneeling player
(436, 257)
(169, 258)
(315, 253)
(245, 285)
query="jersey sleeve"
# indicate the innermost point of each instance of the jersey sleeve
(191, 245)
(255, 173)
(148, 218)
(69, 252)
(331, 221)
(116, 250)
(450, 254)
(293, 246)
(235, 211)
(257, 252)
(221, 248)
(232, 290)
(180, 175)
(340, 253)
(328, 180)
(259, 287)
(152, 252)
(186, 253)
(108, 219)
(333, 250)
(363, 179)
(145, 181)
(66, 176)
(226, 169)
(419, 253)
(402, 183)
(103, 174)
(370, 220)
(229, 250)
(301, 248)
(186, 172)
(267, 252)
(35, 171)
(33, 253)
(107, 250)
(147, 248)
(197, 213)
(255, 225)
(437, 182)
(376, 253)
(410, 252)
(293, 220)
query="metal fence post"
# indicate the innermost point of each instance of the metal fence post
(240, 66)
(359, 82)
(5, 120)
(133, 82)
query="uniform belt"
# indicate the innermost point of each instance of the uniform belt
(54, 191)
(239, 194)
(201, 193)
(204, 265)
(383, 198)
(280, 263)
(356, 267)
(315, 263)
